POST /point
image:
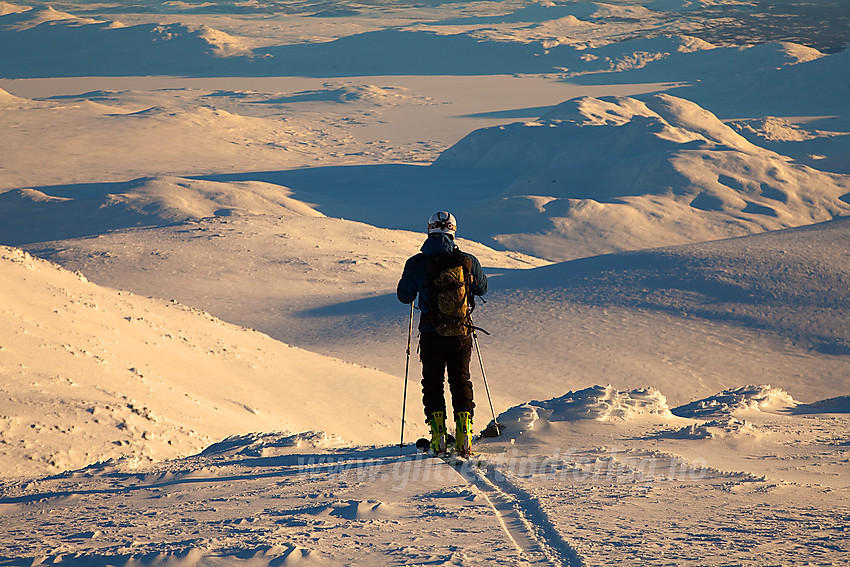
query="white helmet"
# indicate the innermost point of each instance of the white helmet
(442, 222)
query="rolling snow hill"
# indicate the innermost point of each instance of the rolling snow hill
(601, 175)
(102, 136)
(66, 212)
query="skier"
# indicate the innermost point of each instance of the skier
(445, 280)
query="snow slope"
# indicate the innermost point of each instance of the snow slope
(693, 318)
(91, 374)
(791, 281)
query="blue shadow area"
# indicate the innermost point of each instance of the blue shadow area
(401, 52)
(512, 114)
(840, 404)
(389, 196)
(57, 212)
(380, 307)
(175, 49)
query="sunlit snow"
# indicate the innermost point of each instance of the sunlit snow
(205, 208)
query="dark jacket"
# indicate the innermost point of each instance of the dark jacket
(414, 278)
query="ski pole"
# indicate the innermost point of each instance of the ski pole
(484, 375)
(406, 370)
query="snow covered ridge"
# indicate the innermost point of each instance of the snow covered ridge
(661, 170)
(8, 8)
(46, 42)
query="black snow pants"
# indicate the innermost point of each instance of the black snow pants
(440, 354)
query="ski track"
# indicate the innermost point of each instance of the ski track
(522, 518)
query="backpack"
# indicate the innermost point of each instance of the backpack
(451, 302)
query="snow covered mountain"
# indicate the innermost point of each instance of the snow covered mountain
(600, 175)
(575, 39)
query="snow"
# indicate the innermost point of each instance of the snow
(680, 175)
(7, 8)
(140, 202)
(601, 403)
(730, 401)
(148, 379)
(184, 126)
(205, 209)
(52, 43)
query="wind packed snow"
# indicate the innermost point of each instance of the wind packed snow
(738, 399)
(602, 403)
(205, 208)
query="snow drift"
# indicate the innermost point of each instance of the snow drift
(600, 403)
(715, 416)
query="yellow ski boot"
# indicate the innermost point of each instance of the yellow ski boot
(463, 434)
(437, 421)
